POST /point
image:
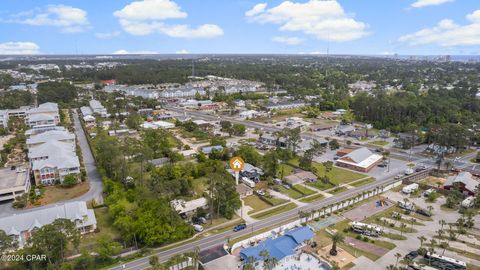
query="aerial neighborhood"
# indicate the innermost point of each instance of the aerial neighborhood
(134, 163)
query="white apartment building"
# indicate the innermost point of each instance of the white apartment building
(20, 226)
(44, 114)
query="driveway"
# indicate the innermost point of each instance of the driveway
(96, 186)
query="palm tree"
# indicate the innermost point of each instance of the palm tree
(442, 223)
(154, 262)
(430, 208)
(250, 263)
(336, 238)
(422, 239)
(302, 215)
(265, 255)
(432, 245)
(196, 256)
(412, 221)
(440, 233)
(444, 245)
(397, 256)
(403, 226)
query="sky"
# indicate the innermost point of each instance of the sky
(366, 27)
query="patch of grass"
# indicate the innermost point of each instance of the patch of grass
(358, 252)
(394, 236)
(320, 185)
(274, 211)
(274, 201)
(337, 175)
(465, 253)
(104, 227)
(379, 143)
(290, 192)
(443, 207)
(284, 170)
(303, 189)
(53, 194)
(218, 221)
(297, 191)
(227, 227)
(256, 203)
(363, 182)
(200, 185)
(338, 190)
(312, 198)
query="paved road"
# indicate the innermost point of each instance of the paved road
(96, 186)
(462, 163)
(219, 239)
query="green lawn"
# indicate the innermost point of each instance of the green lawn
(313, 198)
(200, 185)
(363, 182)
(276, 210)
(337, 190)
(379, 143)
(337, 175)
(104, 227)
(290, 192)
(256, 203)
(320, 185)
(275, 201)
(284, 170)
(294, 192)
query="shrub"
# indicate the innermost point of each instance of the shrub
(69, 180)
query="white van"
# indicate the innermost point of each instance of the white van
(198, 228)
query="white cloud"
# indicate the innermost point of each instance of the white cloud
(107, 35)
(424, 3)
(146, 17)
(151, 10)
(120, 52)
(448, 34)
(326, 20)
(68, 19)
(182, 51)
(258, 8)
(19, 48)
(288, 40)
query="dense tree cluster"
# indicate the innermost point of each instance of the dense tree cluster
(15, 99)
(59, 92)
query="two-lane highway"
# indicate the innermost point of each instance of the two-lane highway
(219, 239)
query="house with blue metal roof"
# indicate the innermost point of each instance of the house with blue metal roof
(209, 149)
(279, 247)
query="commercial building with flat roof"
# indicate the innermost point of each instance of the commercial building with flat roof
(362, 160)
(13, 183)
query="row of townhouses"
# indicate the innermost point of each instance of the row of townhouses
(51, 148)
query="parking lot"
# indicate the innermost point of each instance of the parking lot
(465, 248)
